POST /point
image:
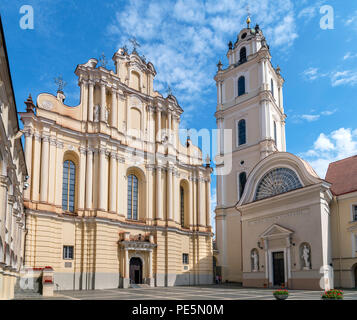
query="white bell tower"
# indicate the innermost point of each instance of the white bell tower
(250, 105)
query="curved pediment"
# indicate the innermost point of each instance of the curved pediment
(277, 174)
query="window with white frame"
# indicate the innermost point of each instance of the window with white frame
(68, 252)
(354, 212)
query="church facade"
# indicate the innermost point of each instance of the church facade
(115, 199)
(273, 211)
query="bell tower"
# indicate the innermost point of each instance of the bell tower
(250, 106)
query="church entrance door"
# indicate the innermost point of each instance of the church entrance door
(278, 268)
(356, 276)
(136, 271)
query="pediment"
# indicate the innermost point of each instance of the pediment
(276, 231)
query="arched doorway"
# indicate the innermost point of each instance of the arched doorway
(136, 271)
(355, 273)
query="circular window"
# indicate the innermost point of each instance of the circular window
(244, 35)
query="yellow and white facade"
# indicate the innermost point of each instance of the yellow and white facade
(12, 181)
(114, 197)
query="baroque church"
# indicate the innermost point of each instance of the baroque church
(277, 222)
(115, 199)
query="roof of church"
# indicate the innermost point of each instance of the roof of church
(343, 176)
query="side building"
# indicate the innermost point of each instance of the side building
(114, 197)
(12, 181)
(343, 177)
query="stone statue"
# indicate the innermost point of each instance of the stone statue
(306, 256)
(255, 259)
(96, 113)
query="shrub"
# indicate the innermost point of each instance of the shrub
(333, 295)
(281, 292)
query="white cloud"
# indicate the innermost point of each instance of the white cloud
(182, 38)
(327, 148)
(310, 117)
(348, 77)
(314, 116)
(311, 73)
(349, 55)
(323, 143)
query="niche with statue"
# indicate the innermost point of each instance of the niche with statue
(305, 256)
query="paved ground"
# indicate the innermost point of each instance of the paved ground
(214, 292)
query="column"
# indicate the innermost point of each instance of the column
(90, 100)
(89, 179)
(82, 178)
(122, 188)
(126, 275)
(36, 167)
(169, 117)
(59, 174)
(169, 193)
(3, 201)
(44, 169)
(158, 194)
(208, 202)
(103, 184)
(114, 111)
(84, 85)
(102, 102)
(113, 183)
(52, 172)
(200, 212)
(158, 125)
(150, 266)
(194, 201)
(28, 158)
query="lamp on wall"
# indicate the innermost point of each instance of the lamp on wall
(259, 245)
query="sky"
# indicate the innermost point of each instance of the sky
(185, 39)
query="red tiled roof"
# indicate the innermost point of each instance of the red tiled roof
(343, 176)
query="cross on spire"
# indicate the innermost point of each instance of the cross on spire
(135, 43)
(248, 16)
(60, 83)
(103, 60)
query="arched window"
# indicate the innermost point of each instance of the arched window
(243, 55)
(241, 86)
(132, 197)
(275, 134)
(182, 206)
(68, 185)
(242, 182)
(277, 181)
(272, 87)
(241, 132)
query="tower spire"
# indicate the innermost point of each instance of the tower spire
(248, 17)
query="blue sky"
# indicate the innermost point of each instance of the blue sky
(185, 40)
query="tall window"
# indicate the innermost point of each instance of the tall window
(272, 87)
(354, 213)
(275, 135)
(241, 86)
(182, 206)
(132, 197)
(241, 132)
(185, 258)
(243, 55)
(242, 182)
(68, 185)
(68, 252)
